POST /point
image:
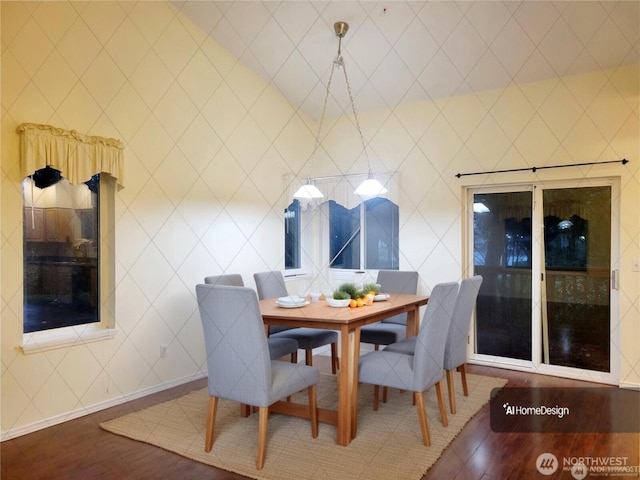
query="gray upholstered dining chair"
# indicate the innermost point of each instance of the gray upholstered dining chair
(278, 347)
(271, 285)
(455, 349)
(238, 361)
(424, 368)
(393, 329)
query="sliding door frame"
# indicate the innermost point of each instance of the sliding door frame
(536, 364)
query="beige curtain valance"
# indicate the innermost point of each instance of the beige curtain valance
(77, 156)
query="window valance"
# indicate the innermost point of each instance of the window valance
(77, 156)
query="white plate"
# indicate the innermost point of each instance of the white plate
(381, 297)
(292, 305)
(291, 300)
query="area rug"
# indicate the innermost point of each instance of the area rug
(388, 443)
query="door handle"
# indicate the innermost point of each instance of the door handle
(615, 279)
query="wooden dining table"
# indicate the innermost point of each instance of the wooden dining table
(348, 322)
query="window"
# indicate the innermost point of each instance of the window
(365, 236)
(292, 241)
(61, 251)
(69, 235)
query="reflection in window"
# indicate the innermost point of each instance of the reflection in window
(378, 218)
(61, 250)
(381, 219)
(344, 236)
(292, 243)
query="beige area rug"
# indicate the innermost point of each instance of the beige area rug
(388, 443)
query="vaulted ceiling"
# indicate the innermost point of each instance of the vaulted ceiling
(404, 51)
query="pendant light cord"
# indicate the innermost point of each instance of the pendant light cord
(340, 62)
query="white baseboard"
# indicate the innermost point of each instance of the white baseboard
(630, 386)
(81, 412)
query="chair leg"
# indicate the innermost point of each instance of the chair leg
(443, 410)
(294, 357)
(211, 420)
(308, 357)
(422, 416)
(313, 411)
(335, 362)
(376, 393)
(263, 417)
(452, 391)
(463, 373)
(385, 390)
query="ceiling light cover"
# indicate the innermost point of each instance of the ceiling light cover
(370, 188)
(308, 192)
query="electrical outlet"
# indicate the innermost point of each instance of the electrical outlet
(163, 351)
(635, 265)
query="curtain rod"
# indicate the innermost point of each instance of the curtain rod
(624, 161)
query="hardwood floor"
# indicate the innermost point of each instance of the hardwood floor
(79, 449)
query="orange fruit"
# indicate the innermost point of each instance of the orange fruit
(360, 302)
(353, 304)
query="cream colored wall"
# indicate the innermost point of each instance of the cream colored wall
(207, 142)
(578, 119)
(201, 133)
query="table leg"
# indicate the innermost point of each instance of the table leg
(354, 388)
(413, 322)
(345, 386)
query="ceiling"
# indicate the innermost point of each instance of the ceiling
(402, 52)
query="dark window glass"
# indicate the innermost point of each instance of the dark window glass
(344, 236)
(381, 234)
(61, 246)
(292, 241)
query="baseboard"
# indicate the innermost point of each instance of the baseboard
(630, 386)
(96, 407)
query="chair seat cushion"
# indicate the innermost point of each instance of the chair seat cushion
(309, 338)
(387, 369)
(406, 346)
(382, 333)
(288, 378)
(279, 347)
(278, 328)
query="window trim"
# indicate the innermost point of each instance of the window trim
(45, 340)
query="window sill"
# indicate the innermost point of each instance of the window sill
(65, 337)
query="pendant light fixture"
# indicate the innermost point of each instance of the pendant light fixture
(370, 187)
(308, 191)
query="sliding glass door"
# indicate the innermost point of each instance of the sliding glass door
(576, 278)
(545, 253)
(502, 251)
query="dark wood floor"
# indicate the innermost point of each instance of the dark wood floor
(79, 449)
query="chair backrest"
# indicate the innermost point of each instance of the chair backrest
(455, 350)
(428, 361)
(397, 281)
(270, 285)
(229, 279)
(238, 360)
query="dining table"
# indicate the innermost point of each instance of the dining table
(347, 321)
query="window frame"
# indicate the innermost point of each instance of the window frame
(105, 329)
